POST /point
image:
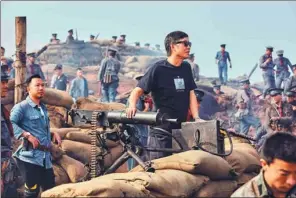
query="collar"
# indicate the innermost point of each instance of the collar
(274, 103)
(264, 189)
(31, 103)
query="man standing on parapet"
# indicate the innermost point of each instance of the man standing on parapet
(108, 76)
(70, 37)
(267, 65)
(172, 87)
(33, 68)
(244, 103)
(194, 67)
(221, 59)
(282, 68)
(54, 39)
(79, 86)
(291, 82)
(91, 37)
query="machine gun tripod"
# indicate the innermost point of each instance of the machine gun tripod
(124, 133)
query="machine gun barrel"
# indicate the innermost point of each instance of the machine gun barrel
(147, 118)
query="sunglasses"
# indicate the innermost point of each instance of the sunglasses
(185, 43)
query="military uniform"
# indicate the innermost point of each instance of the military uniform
(59, 82)
(54, 40)
(291, 81)
(92, 37)
(267, 71)
(108, 76)
(257, 187)
(222, 57)
(194, 67)
(8, 165)
(33, 69)
(70, 38)
(276, 110)
(245, 113)
(282, 68)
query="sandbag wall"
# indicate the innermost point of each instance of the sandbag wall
(188, 174)
(75, 151)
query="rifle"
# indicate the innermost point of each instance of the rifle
(76, 34)
(252, 71)
(97, 35)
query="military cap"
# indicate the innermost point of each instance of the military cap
(70, 31)
(290, 93)
(275, 91)
(138, 77)
(54, 34)
(223, 45)
(58, 66)
(137, 43)
(217, 86)
(199, 94)
(269, 48)
(245, 81)
(123, 36)
(33, 54)
(147, 44)
(112, 49)
(114, 37)
(4, 74)
(191, 55)
(92, 36)
(280, 52)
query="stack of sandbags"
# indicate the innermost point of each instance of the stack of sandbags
(76, 150)
(88, 104)
(162, 183)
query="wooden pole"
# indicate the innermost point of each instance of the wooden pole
(20, 62)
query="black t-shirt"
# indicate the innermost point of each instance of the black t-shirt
(170, 87)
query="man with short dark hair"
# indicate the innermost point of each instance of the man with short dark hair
(79, 86)
(278, 175)
(33, 68)
(108, 76)
(221, 60)
(172, 88)
(31, 123)
(59, 80)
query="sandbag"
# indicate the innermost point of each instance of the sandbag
(243, 162)
(85, 138)
(196, 162)
(57, 98)
(74, 169)
(244, 178)
(217, 189)
(235, 140)
(245, 147)
(63, 131)
(56, 152)
(87, 104)
(98, 188)
(60, 174)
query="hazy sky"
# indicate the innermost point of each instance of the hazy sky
(246, 27)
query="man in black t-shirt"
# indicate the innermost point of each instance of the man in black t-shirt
(172, 87)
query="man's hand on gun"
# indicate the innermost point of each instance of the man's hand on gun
(131, 111)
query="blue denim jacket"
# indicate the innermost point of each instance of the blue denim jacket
(26, 116)
(222, 60)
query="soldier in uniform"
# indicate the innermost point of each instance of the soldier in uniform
(54, 39)
(122, 39)
(194, 67)
(70, 37)
(244, 104)
(8, 166)
(114, 38)
(59, 80)
(108, 76)
(277, 108)
(91, 37)
(157, 46)
(137, 44)
(278, 175)
(221, 59)
(267, 65)
(282, 68)
(291, 81)
(147, 45)
(33, 68)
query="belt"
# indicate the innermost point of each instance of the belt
(44, 148)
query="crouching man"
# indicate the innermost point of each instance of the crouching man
(278, 175)
(31, 123)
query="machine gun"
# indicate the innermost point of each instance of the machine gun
(123, 132)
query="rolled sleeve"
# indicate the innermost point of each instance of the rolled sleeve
(16, 117)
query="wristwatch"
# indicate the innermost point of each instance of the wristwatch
(27, 134)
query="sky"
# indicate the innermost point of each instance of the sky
(246, 27)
